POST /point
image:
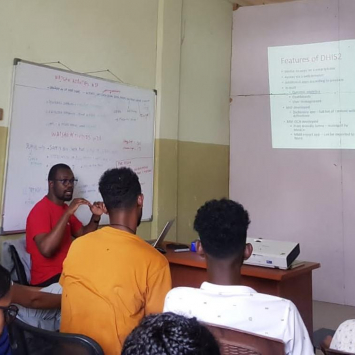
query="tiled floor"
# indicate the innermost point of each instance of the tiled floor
(330, 315)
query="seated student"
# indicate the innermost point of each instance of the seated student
(8, 312)
(112, 278)
(343, 339)
(51, 224)
(222, 226)
(170, 334)
(39, 307)
(35, 306)
(27, 296)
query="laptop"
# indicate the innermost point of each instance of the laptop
(158, 243)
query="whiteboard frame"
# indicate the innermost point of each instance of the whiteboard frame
(7, 152)
(15, 62)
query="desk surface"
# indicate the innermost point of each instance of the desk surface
(194, 260)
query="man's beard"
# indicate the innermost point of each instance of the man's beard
(66, 196)
(66, 199)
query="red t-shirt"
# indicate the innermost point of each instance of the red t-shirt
(42, 219)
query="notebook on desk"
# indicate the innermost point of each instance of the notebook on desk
(158, 243)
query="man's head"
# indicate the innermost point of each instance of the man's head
(222, 226)
(61, 182)
(120, 190)
(170, 334)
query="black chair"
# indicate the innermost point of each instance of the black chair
(20, 270)
(28, 340)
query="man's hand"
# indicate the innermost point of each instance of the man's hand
(98, 208)
(49, 243)
(75, 204)
(325, 344)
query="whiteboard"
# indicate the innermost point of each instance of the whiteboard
(88, 123)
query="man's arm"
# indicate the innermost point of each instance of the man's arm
(296, 332)
(343, 337)
(49, 243)
(97, 209)
(33, 297)
(325, 344)
(159, 284)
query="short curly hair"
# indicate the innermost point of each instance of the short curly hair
(119, 188)
(54, 169)
(222, 227)
(170, 334)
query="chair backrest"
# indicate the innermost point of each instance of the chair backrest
(20, 270)
(334, 352)
(28, 340)
(238, 342)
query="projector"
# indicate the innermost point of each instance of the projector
(272, 253)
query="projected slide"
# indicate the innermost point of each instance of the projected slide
(312, 95)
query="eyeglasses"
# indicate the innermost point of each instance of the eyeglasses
(67, 182)
(10, 313)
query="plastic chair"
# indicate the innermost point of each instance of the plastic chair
(28, 340)
(238, 342)
(20, 270)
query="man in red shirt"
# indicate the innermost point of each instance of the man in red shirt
(51, 225)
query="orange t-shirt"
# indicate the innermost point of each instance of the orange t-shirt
(111, 279)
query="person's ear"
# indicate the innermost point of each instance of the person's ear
(199, 248)
(140, 200)
(247, 251)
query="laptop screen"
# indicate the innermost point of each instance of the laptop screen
(164, 232)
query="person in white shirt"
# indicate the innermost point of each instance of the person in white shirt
(343, 339)
(222, 227)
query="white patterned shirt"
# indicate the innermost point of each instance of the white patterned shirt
(344, 337)
(241, 307)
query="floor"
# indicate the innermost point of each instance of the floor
(330, 315)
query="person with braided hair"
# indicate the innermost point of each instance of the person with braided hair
(112, 278)
(170, 334)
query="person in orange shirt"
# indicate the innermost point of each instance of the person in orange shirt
(111, 278)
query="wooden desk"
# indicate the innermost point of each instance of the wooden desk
(189, 269)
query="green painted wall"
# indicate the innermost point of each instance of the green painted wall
(165, 184)
(182, 48)
(203, 155)
(3, 140)
(203, 175)
(86, 36)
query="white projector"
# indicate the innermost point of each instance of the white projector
(272, 253)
